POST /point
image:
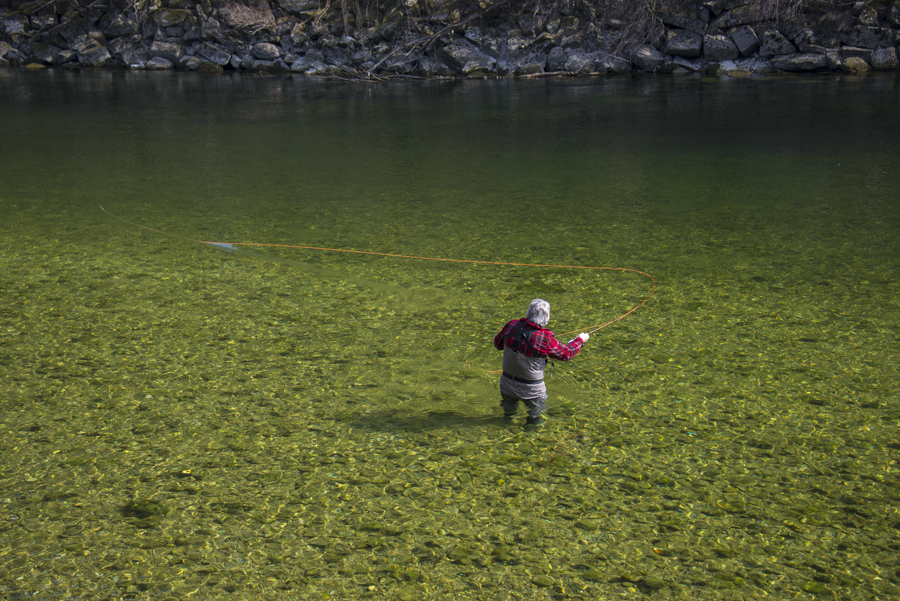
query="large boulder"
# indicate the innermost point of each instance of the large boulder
(684, 22)
(170, 51)
(801, 62)
(647, 58)
(265, 51)
(863, 53)
(742, 15)
(171, 17)
(120, 25)
(680, 42)
(556, 60)
(579, 62)
(718, 48)
(775, 44)
(214, 53)
(463, 56)
(894, 15)
(869, 37)
(745, 39)
(158, 63)
(47, 53)
(607, 63)
(91, 51)
(310, 63)
(885, 59)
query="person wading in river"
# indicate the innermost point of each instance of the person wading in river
(527, 346)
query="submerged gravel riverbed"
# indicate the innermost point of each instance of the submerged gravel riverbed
(178, 421)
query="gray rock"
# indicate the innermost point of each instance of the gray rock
(298, 7)
(852, 51)
(733, 18)
(867, 17)
(834, 59)
(171, 17)
(211, 30)
(775, 44)
(648, 58)
(190, 63)
(167, 50)
(39, 22)
(684, 22)
(13, 56)
(46, 53)
(894, 15)
(257, 65)
(715, 6)
(800, 62)
(398, 63)
(14, 25)
(122, 25)
(717, 48)
(4, 48)
(265, 51)
(614, 64)
(72, 29)
(803, 37)
(869, 37)
(91, 52)
(578, 62)
(535, 68)
(462, 56)
(307, 64)
(745, 39)
(885, 59)
(298, 34)
(214, 54)
(680, 42)
(480, 66)
(431, 67)
(556, 60)
(690, 65)
(67, 55)
(130, 52)
(158, 63)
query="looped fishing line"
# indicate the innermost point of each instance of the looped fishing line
(588, 329)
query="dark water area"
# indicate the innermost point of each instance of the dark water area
(298, 422)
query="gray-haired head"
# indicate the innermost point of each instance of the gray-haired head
(538, 312)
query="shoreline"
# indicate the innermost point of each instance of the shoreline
(284, 39)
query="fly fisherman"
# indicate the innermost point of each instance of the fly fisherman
(527, 346)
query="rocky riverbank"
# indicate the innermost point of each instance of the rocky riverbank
(308, 36)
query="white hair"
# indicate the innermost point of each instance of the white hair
(538, 312)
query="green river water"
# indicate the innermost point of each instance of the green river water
(181, 422)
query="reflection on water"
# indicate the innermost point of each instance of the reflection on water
(293, 422)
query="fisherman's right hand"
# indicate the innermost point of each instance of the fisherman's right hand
(584, 337)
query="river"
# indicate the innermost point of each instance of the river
(288, 419)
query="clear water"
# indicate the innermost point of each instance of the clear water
(325, 423)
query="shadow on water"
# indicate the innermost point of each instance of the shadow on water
(435, 419)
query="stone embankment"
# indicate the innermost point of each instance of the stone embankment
(302, 36)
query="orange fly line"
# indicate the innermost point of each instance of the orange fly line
(589, 329)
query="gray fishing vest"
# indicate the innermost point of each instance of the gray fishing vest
(523, 376)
